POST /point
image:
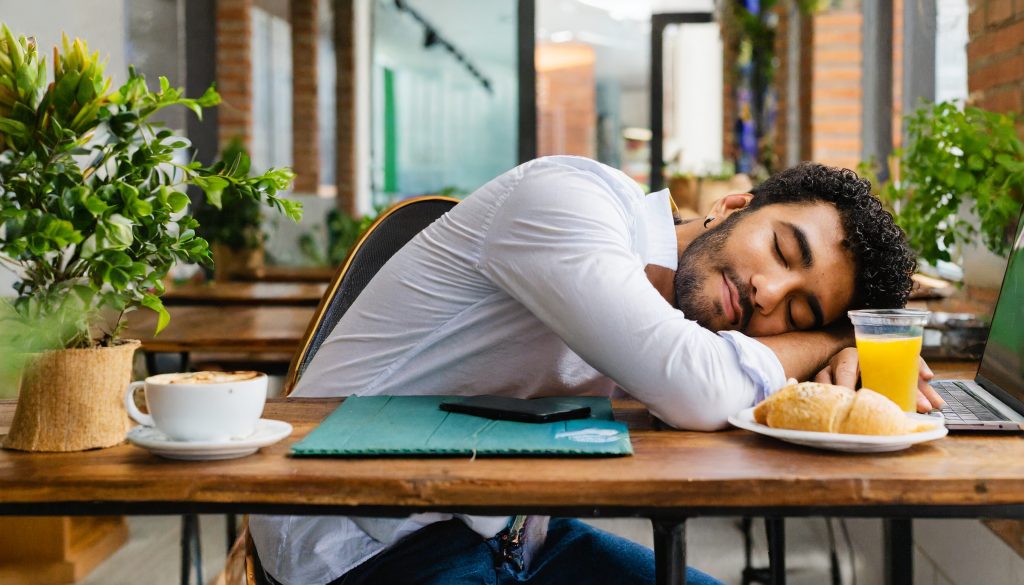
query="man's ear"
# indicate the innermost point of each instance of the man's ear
(729, 204)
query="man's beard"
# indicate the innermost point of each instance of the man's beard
(701, 258)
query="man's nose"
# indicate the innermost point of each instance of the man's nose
(769, 290)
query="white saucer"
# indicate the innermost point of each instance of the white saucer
(267, 432)
(840, 441)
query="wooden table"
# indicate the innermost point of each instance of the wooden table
(292, 274)
(222, 329)
(244, 334)
(672, 476)
(261, 294)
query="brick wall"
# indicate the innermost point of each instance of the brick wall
(305, 122)
(836, 93)
(806, 86)
(566, 100)
(995, 55)
(897, 73)
(234, 70)
(802, 97)
(345, 131)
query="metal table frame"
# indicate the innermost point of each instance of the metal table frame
(669, 523)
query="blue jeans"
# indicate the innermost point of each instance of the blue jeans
(449, 553)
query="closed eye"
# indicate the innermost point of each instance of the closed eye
(778, 251)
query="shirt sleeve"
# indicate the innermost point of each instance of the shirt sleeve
(560, 244)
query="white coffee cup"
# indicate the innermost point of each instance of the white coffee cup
(201, 406)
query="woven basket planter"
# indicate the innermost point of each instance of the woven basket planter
(73, 400)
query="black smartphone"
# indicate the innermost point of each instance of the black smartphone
(535, 410)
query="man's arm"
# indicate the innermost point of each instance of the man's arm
(804, 353)
(801, 353)
(560, 245)
(794, 351)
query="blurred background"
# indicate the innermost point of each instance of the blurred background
(374, 101)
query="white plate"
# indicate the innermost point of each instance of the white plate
(267, 432)
(840, 441)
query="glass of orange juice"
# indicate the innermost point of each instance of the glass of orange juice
(889, 349)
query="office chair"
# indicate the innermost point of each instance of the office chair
(391, 230)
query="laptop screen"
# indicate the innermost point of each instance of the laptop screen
(1003, 363)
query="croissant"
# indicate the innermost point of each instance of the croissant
(811, 406)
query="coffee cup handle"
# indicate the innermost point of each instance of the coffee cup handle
(133, 411)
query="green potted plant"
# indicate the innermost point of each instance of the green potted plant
(93, 214)
(958, 183)
(233, 228)
(343, 230)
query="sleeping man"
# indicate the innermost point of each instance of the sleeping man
(560, 277)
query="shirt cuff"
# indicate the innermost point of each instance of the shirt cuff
(758, 362)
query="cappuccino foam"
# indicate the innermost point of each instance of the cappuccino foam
(210, 377)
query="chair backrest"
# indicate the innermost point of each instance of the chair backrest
(392, 230)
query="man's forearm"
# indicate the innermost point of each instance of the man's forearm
(804, 353)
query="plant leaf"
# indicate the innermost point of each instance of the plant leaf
(177, 201)
(119, 232)
(154, 303)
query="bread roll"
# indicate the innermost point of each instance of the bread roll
(875, 414)
(810, 406)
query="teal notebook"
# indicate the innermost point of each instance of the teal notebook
(414, 425)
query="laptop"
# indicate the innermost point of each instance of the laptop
(994, 401)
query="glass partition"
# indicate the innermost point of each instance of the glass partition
(592, 59)
(444, 95)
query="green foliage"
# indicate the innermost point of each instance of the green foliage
(26, 334)
(754, 37)
(343, 230)
(92, 204)
(955, 156)
(237, 221)
(723, 172)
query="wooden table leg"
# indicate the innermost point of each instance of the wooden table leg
(669, 551)
(899, 551)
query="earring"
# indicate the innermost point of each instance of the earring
(707, 221)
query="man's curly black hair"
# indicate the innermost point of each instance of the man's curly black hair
(883, 261)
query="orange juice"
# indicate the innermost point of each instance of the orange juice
(888, 365)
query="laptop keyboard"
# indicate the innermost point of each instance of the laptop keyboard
(963, 405)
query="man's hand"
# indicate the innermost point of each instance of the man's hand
(927, 398)
(844, 370)
(802, 353)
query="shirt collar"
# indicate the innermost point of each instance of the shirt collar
(659, 230)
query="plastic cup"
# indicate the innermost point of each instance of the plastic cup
(889, 349)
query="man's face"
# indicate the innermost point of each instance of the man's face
(771, 270)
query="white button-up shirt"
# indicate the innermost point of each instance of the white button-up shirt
(534, 285)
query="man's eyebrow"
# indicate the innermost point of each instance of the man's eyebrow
(819, 317)
(801, 240)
